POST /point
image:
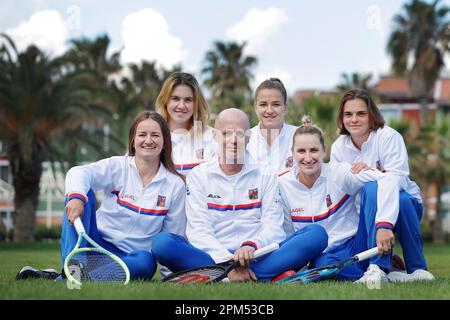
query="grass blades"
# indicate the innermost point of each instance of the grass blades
(46, 255)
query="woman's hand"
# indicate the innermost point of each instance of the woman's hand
(357, 167)
(385, 240)
(244, 255)
(241, 274)
(74, 209)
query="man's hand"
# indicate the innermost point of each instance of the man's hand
(385, 240)
(241, 274)
(74, 209)
(244, 255)
(357, 167)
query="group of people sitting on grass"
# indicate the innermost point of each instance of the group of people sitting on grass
(186, 194)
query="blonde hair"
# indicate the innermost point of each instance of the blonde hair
(307, 127)
(201, 109)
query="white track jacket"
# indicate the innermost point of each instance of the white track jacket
(189, 151)
(130, 214)
(279, 155)
(227, 212)
(330, 202)
(386, 151)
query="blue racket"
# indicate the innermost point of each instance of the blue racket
(326, 272)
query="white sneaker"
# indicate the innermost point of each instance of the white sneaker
(373, 275)
(399, 276)
(418, 275)
(422, 275)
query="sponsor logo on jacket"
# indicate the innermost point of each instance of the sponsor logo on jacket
(128, 196)
(297, 210)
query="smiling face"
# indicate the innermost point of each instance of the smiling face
(270, 108)
(232, 135)
(180, 106)
(148, 140)
(308, 153)
(355, 118)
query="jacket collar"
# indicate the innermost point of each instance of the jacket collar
(250, 164)
(160, 175)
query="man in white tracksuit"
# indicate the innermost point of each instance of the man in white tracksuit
(232, 209)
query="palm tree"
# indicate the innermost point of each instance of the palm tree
(355, 80)
(86, 54)
(429, 159)
(147, 80)
(322, 111)
(417, 45)
(91, 56)
(228, 71)
(130, 95)
(40, 102)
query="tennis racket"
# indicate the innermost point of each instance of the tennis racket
(326, 272)
(93, 263)
(215, 272)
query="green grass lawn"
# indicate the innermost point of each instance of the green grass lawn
(45, 255)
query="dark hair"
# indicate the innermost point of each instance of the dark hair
(308, 128)
(376, 119)
(272, 83)
(166, 154)
(201, 108)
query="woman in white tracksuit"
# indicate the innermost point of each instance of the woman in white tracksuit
(143, 195)
(366, 141)
(182, 105)
(270, 140)
(314, 192)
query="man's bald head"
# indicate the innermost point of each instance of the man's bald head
(232, 133)
(232, 118)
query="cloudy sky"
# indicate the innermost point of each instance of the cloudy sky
(307, 44)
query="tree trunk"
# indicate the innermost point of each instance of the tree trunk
(437, 230)
(26, 178)
(423, 111)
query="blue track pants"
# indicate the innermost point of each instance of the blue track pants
(141, 264)
(177, 254)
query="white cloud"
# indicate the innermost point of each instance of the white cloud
(146, 36)
(46, 29)
(256, 27)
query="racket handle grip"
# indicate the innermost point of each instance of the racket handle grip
(79, 226)
(265, 250)
(367, 254)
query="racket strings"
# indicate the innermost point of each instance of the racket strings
(96, 266)
(201, 275)
(312, 276)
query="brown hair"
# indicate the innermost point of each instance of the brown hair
(376, 119)
(308, 128)
(201, 108)
(166, 154)
(272, 83)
